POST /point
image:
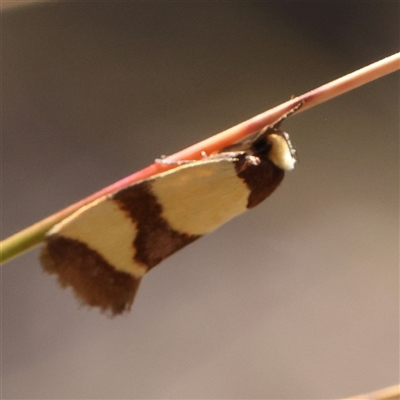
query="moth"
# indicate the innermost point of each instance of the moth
(104, 249)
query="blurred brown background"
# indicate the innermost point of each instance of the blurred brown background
(296, 299)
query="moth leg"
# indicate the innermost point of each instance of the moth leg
(226, 155)
(229, 156)
(163, 160)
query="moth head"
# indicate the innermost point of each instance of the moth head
(281, 152)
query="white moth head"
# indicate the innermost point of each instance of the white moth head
(282, 153)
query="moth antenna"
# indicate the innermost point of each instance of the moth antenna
(288, 114)
(276, 124)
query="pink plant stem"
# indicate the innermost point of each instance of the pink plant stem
(34, 234)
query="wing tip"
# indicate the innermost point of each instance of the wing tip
(95, 282)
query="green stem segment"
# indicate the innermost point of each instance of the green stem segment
(21, 242)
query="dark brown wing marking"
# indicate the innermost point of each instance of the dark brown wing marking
(155, 239)
(95, 282)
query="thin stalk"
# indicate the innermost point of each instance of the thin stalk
(34, 234)
(388, 393)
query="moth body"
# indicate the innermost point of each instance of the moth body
(104, 249)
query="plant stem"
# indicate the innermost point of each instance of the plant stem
(388, 393)
(33, 235)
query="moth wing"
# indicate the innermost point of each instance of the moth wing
(103, 250)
